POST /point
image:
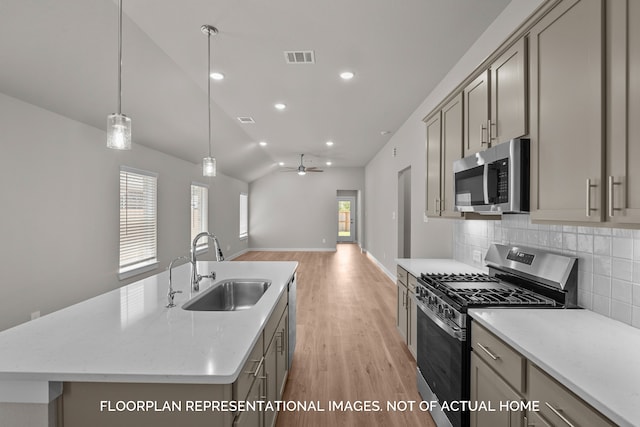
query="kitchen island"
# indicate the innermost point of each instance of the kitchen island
(129, 337)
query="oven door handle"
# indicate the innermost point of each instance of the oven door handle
(453, 331)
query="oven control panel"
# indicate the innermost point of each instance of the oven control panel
(520, 256)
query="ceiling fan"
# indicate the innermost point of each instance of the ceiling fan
(302, 169)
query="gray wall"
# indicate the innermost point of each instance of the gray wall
(432, 239)
(287, 211)
(59, 219)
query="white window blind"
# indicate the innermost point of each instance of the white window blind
(199, 213)
(138, 218)
(244, 215)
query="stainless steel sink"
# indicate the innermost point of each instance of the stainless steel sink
(229, 295)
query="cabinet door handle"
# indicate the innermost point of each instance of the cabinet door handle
(436, 204)
(486, 350)
(588, 206)
(255, 373)
(557, 412)
(483, 129)
(612, 183)
(493, 125)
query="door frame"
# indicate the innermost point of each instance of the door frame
(353, 220)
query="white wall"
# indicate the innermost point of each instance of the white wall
(432, 239)
(287, 211)
(59, 217)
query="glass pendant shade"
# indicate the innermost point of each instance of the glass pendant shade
(209, 166)
(118, 132)
(301, 173)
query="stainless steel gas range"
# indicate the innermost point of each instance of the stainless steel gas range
(518, 277)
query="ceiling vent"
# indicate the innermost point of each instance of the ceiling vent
(246, 120)
(300, 57)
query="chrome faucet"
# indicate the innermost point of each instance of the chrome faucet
(195, 277)
(171, 292)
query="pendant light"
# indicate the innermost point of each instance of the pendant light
(119, 125)
(209, 163)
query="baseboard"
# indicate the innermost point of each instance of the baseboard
(392, 276)
(293, 249)
(237, 254)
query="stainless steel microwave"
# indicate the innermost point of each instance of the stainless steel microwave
(495, 180)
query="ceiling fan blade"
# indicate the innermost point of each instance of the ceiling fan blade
(314, 170)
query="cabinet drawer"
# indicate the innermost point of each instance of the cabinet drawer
(402, 275)
(412, 283)
(559, 405)
(272, 323)
(503, 359)
(250, 371)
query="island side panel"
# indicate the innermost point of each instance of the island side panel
(97, 404)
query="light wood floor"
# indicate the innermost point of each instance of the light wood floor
(348, 347)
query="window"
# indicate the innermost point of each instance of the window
(244, 216)
(199, 214)
(138, 221)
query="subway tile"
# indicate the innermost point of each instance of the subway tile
(635, 294)
(532, 237)
(555, 239)
(621, 291)
(585, 262)
(585, 230)
(636, 272)
(602, 245)
(622, 247)
(635, 317)
(555, 227)
(543, 238)
(569, 241)
(602, 305)
(622, 269)
(602, 285)
(622, 232)
(543, 227)
(621, 311)
(569, 229)
(602, 265)
(585, 243)
(585, 300)
(585, 281)
(636, 249)
(602, 231)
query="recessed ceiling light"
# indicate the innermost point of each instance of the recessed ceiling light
(329, 143)
(328, 163)
(385, 132)
(281, 163)
(346, 75)
(217, 76)
(280, 106)
(262, 143)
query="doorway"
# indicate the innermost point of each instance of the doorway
(404, 213)
(346, 219)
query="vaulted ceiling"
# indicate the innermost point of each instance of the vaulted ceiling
(62, 55)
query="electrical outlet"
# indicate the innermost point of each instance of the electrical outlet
(477, 257)
(228, 248)
(425, 218)
(393, 215)
(324, 240)
(35, 314)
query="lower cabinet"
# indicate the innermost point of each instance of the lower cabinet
(500, 374)
(490, 388)
(406, 319)
(256, 393)
(276, 368)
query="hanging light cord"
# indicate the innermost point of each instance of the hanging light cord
(208, 83)
(120, 58)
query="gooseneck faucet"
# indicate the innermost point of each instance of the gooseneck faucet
(171, 292)
(195, 277)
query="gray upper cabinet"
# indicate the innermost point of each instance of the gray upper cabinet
(566, 77)
(509, 117)
(623, 110)
(476, 114)
(443, 146)
(495, 102)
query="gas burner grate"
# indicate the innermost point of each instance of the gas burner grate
(455, 277)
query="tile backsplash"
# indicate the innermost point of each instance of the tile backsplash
(608, 266)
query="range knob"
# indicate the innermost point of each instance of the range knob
(448, 313)
(440, 309)
(432, 299)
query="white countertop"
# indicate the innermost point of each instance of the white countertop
(592, 355)
(128, 335)
(417, 266)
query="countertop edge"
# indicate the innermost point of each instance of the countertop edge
(594, 401)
